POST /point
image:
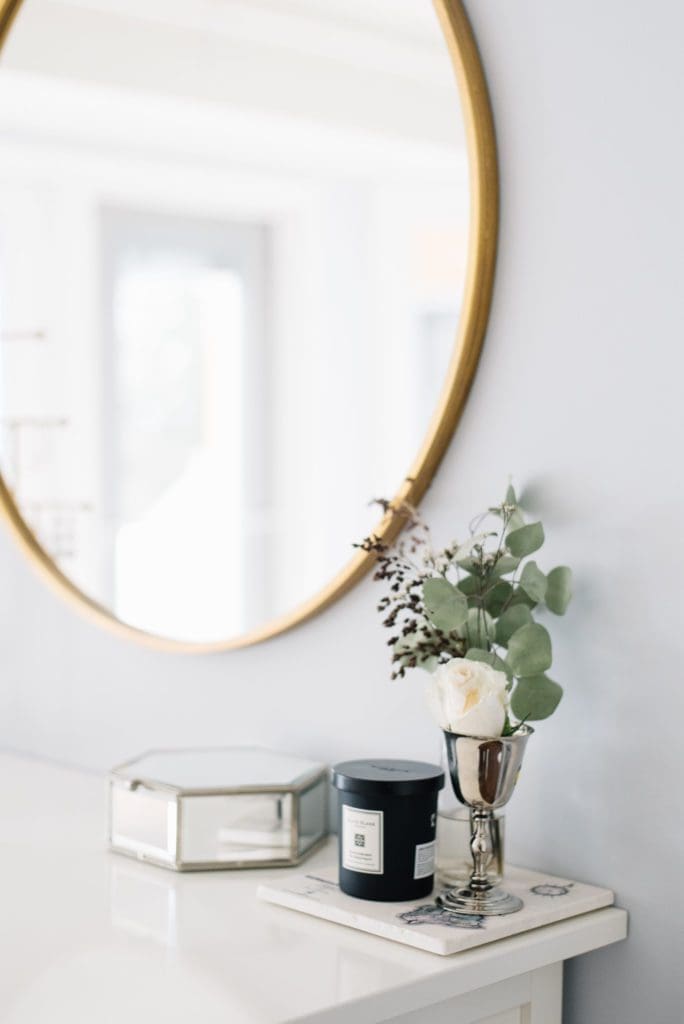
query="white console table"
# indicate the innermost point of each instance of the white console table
(88, 937)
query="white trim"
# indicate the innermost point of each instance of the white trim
(103, 118)
(399, 37)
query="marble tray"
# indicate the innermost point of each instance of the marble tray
(427, 926)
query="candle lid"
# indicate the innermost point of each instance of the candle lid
(388, 777)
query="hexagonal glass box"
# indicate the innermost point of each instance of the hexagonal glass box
(234, 807)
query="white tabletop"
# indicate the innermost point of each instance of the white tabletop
(89, 937)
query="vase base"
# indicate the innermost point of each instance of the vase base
(492, 903)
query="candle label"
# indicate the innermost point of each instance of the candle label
(424, 865)
(362, 840)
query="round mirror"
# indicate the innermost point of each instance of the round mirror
(246, 254)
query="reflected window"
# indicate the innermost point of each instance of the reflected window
(176, 389)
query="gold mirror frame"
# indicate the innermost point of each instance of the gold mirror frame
(484, 219)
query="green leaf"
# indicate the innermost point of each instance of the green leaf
(535, 697)
(520, 597)
(512, 619)
(446, 606)
(533, 581)
(469, 564)
(516, 521)
(505, 564)
(469, 585)
(479, 628)
(529, 650)
(497, 596)
(489, 658)
(558, 589)
(525, 539)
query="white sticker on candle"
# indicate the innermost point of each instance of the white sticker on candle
(362, 840)
(425, 860)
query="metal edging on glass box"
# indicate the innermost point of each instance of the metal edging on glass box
(297, 789)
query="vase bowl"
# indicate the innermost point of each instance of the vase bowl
(484, 770)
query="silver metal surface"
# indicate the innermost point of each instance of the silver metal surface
(454, 859)
(164, 785)
(483, 773)
(211, 770)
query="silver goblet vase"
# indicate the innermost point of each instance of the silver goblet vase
(483, 773)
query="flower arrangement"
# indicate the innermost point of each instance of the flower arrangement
(467, 615)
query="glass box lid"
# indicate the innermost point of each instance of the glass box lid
(217, 770)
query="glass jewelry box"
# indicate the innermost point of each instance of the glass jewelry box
(233, 807)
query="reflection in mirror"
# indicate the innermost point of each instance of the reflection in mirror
(233, 238)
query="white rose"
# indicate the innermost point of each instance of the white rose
(468, 697)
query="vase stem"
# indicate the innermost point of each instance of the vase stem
(481, 848)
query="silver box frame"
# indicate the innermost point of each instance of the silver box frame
(296, 790)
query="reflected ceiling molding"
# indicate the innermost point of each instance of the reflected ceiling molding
(391, 36)
(101, 118)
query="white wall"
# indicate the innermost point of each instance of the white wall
(578, 394)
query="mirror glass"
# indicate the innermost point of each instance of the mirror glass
(233, 239)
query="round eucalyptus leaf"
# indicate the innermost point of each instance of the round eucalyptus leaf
(533, 581)
(515, 521)
(558, 589)
(529, 650)
(497, 596)
(520, 597)
(469, 564)
(535, 698)
(480, 628)
(513, 619)
(446, 606)
(525, 539)
(469, 585)
(505, 564)
(489, 658)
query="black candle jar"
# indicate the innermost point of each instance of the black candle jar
(386, 828)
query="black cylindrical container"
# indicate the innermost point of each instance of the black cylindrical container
(386, 828)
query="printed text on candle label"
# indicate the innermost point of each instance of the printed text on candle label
(362, 845)
(425, 860)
